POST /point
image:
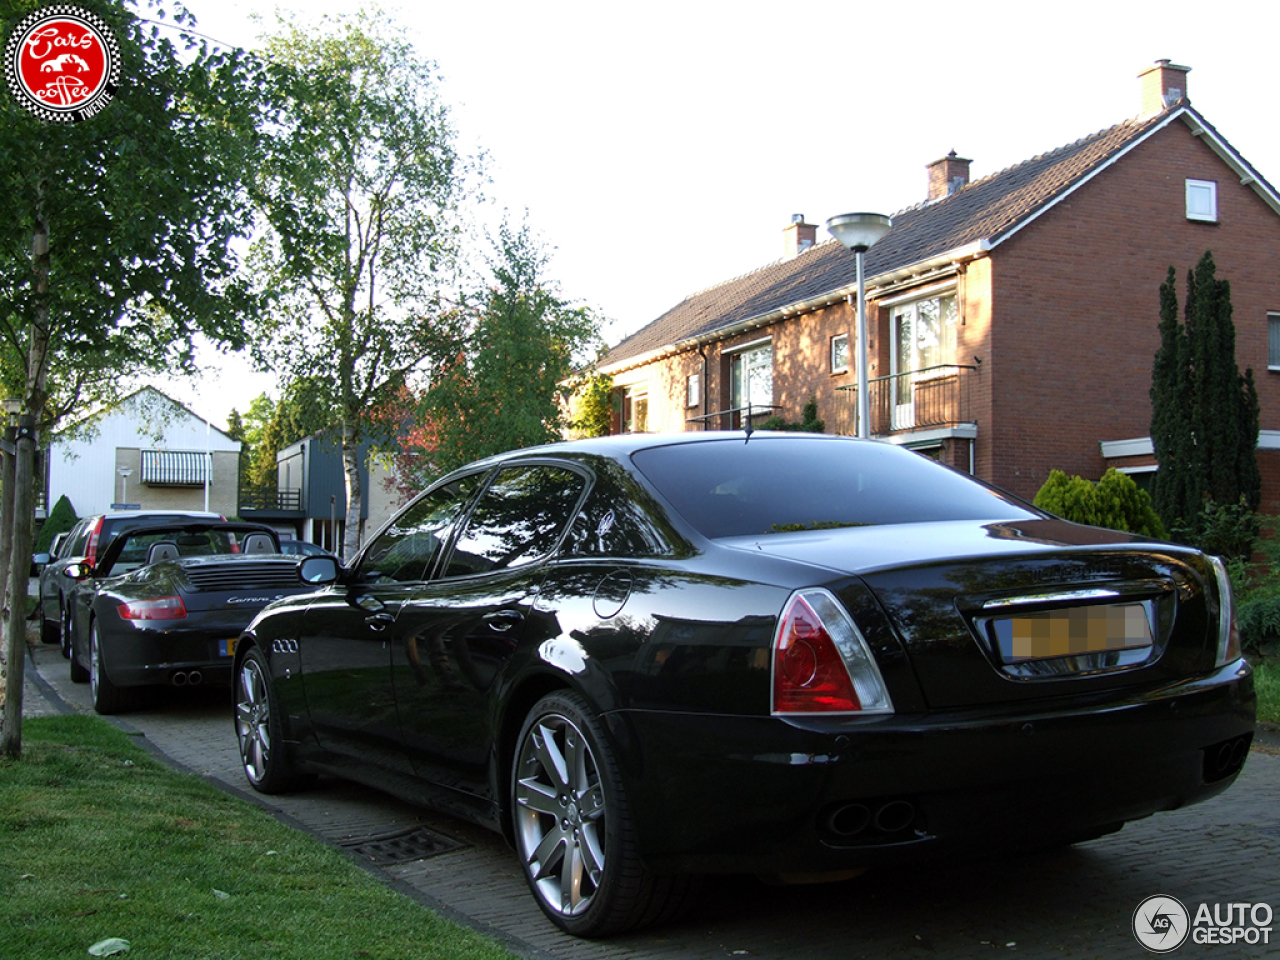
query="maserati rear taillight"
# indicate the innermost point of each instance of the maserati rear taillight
(164, 608)
(1228, 633)
(821, 662)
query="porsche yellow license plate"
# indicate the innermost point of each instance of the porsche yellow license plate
(1079, 630)
(228, 647)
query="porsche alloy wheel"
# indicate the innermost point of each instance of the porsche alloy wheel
(106, 697)
(573, 828)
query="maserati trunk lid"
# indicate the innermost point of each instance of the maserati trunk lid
(1004, 612)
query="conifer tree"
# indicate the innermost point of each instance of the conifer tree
(1204, 412)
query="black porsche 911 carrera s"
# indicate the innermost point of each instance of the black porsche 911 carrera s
(646, 658)
(166, 603)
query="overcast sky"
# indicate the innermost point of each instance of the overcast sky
(660, 148)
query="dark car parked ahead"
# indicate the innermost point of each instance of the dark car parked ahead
(166, 603)
(83, 543)
(643, 658)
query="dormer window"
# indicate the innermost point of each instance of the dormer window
(1202, 200)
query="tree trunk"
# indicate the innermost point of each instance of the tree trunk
(22, 499)
(20, 564)
(8, 462)
(351, 470)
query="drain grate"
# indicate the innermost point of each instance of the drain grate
(416, 843)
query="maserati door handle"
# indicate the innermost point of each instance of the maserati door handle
(503, 620)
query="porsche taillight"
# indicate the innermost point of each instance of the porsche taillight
(164, 608)
(821, 661)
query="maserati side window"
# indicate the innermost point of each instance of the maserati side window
(517, 520)
(407, 550)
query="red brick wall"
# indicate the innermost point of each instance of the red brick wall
(1075, 307)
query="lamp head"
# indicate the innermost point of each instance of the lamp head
(859, 231)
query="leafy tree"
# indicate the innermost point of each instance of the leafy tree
(1204, 413)
(1115, 502)
(115, 234)
(509, 385)
(268, 427)
(357, 190)
(594, 405)
(408, 441)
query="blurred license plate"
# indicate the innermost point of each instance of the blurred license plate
(1079, 630)
(227, 647)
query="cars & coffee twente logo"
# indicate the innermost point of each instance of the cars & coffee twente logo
(62, 63)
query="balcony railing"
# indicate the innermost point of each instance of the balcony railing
(734, 419)
(269, 498)
(916, 400)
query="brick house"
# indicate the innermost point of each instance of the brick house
(1012, 320)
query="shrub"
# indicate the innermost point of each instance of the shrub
(809, 422)
(61, 519)
(1114, 502)
(1257, 588)
(1230, 531)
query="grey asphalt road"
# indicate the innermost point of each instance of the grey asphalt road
(1073, 903)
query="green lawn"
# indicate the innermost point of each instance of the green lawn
(99, 840)
(1266, 681)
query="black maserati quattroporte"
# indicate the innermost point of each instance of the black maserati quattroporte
(647, 658)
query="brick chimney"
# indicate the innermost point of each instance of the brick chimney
(947, 175)
(1163, 85)
(798, 237)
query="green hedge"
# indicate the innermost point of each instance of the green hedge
(1115, 502)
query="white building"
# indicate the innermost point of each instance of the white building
(148, 453)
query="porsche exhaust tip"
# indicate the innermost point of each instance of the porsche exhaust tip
(186, 678)
(849, 820)
(880, 821)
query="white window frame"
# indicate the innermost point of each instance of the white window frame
(742, 360)
(693, 390)
(840, 341)
(908, 309)
(1273, 340)
(1202, 200)
(635, 399)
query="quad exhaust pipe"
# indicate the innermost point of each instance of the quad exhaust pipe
(186, 678)
(1225, 759)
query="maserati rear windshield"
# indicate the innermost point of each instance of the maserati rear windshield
(772, 484)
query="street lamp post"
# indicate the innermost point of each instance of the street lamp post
(125, 474)
(858, 232)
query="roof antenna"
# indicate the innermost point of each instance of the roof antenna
(749, 428)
